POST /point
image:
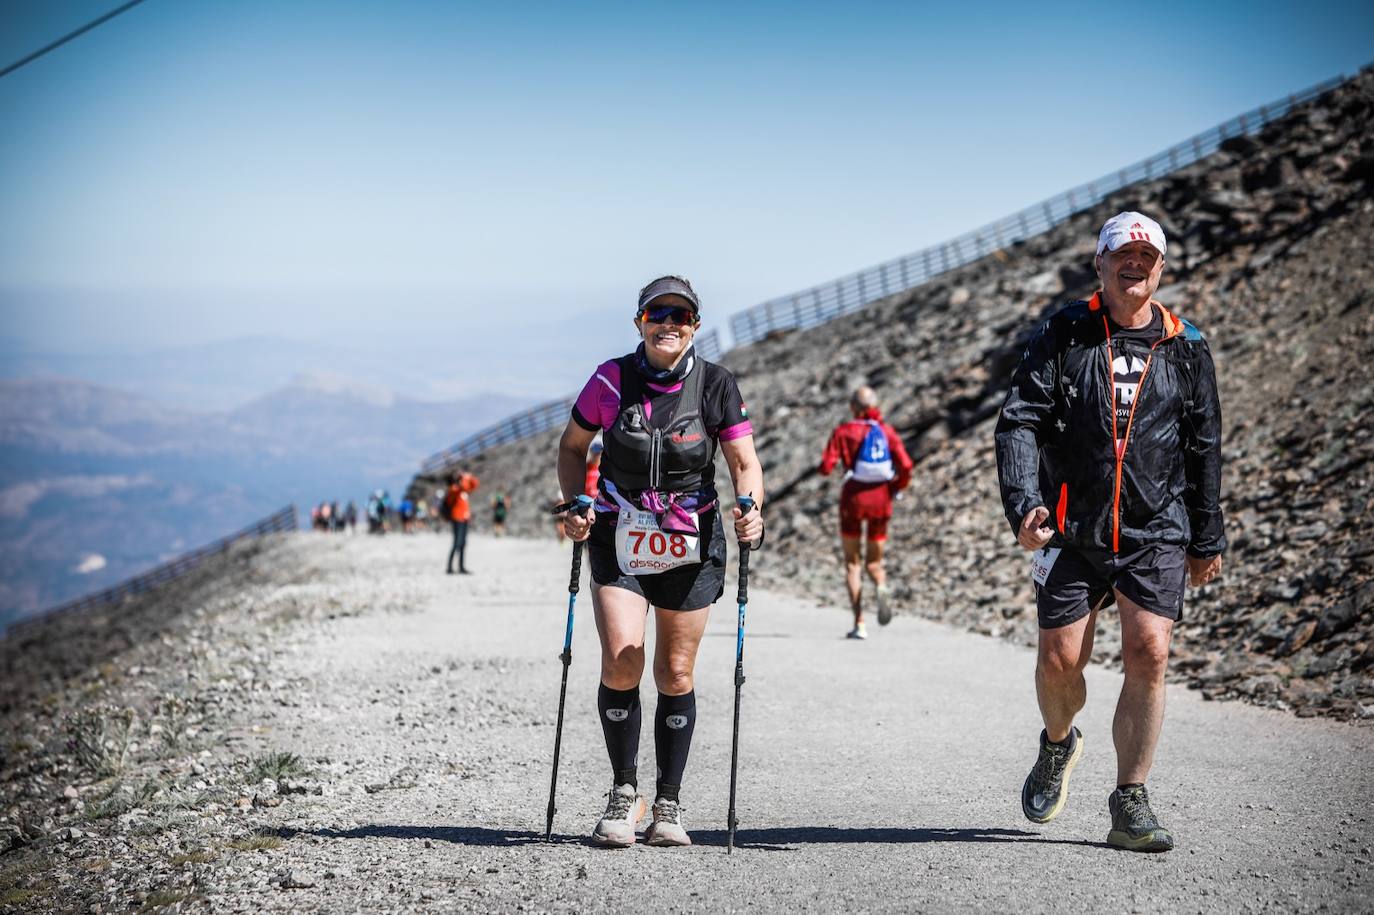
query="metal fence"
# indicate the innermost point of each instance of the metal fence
(850, 293)
(538, 419)
(283, 520)
(533, 421)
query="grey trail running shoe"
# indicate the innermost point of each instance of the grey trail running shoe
(1047, 787)
(624, 810)
(1134, 826)
(884, 605)
(666, 830)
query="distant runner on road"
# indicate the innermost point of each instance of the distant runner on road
(500, 508)
(877, 467)
(1109, 457)
(657, 539)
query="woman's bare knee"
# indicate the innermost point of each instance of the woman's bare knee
(623, 669)
(673, 679)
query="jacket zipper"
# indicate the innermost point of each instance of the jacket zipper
(655, 448)
(1120, 449)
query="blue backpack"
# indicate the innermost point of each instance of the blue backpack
(873, 464)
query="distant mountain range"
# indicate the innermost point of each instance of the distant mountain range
(97, 484)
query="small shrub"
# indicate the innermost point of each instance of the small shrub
(277, 766)
(100, 738)
(121, 798)
(159, 899)
(170, 721)
(191, 801)
(258, 841)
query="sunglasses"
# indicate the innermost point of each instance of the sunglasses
(670, 314)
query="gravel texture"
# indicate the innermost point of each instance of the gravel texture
(361, 732)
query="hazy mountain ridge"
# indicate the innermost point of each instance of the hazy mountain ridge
(90, 470)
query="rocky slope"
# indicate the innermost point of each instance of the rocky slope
(1269, 256)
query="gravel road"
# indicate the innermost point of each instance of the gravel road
(875, 776)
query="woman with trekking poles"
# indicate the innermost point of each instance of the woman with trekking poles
(655, 537)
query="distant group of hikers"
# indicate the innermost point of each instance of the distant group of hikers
(382, 516)
(330, 518)
(1108, 456)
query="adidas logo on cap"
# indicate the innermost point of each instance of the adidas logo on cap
(1128, 227)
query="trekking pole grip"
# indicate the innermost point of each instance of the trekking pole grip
(574, 583)
(743, 596)
(746, 505)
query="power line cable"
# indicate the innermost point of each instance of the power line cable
(66, 38)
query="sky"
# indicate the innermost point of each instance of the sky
(484, 187)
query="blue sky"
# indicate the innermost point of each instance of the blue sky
(495, 180)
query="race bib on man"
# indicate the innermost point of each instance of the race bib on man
(1042, 560)
(643, 548)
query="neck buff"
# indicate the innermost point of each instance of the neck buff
(665, 376)
(872, 413)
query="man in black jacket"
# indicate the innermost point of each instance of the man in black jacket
(1109, 458)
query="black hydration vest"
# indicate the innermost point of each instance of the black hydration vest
(678, 457)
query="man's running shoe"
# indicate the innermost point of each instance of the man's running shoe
(1134, 826)
(884, 605)
(624, 810)
(666, 830)
(1047, 787)
(858, 632)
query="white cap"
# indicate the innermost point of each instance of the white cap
(1127, 227)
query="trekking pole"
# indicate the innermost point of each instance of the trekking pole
(746, 505)
(566, 658)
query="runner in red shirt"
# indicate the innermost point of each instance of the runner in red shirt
(877, 466)
(593, 470)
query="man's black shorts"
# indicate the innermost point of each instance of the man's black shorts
(1079, 580)
(688, 587)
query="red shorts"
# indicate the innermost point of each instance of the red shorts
(860, 502)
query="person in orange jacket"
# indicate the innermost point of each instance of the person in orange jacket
(459, 511)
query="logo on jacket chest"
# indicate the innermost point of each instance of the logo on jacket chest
(1126, 372)
(677, 438)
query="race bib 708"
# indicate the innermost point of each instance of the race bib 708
(643, 548)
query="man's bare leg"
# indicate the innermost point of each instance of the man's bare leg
(1059, 685)
(1140, 708)
(873, 562)
(853, 577)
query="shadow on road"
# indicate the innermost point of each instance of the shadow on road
(458, 835)
(782, 837)
(779, 839)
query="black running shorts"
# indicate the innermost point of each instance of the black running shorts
(1080, 579)
(688, 587)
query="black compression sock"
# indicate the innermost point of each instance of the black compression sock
(619, 713)
(674, 721)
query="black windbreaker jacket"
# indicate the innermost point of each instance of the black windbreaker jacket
(1055, 437)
